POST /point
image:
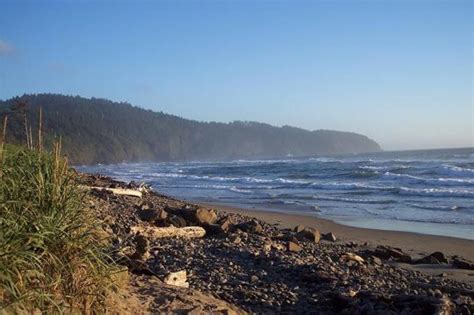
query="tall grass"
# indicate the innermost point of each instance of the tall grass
(51, 257)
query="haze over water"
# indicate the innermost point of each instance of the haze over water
(421, 191)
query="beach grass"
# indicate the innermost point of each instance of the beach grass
(52, 258)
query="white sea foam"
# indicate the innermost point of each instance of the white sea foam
(354, 200)
(239, 190)
(434, 181)
(436, 192)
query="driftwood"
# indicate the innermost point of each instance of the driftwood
(119, 191)
(171, 231)
(352, 257)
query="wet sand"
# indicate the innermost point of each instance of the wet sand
(413, 243)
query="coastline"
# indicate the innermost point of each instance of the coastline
(416, 244)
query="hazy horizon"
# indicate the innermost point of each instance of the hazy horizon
(397, 72)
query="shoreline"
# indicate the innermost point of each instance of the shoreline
(416, 244)
(250, 259)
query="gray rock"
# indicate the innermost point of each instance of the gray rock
(310, 234)
(331, 237)
(386, 252)
(299, 228)
(251, 226)
(462, 264)
(293, 247)
(435, 258)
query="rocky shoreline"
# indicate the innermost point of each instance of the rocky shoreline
(242, 264)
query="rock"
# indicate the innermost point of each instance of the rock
(197, 310)
(293, 247)
(205, 216)
(329, 237)
(310, 234)
(177, 221)
(235, 239)
(440, 257)
(225, 224)
(435, 258)
(269, 245)
(178, 279)
(251, 226)
(429, 260)
(253, 279)
(141, 247)
(298, 228)
(150, 215)
(445, 306)
(386, 252)
(462, 264)
(376, 260)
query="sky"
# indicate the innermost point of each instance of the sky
(400, 72)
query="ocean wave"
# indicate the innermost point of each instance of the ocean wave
(350, 186)
(374, 168)
(455, 170)
(354, 200)
(437, 208)
(436, 192)
(433, 181)
(238, 190)
(427, 218)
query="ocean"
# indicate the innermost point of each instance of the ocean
(430, 191)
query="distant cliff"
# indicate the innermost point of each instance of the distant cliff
(100, 131)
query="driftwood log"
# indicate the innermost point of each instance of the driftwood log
(119, 191)
(171, 231)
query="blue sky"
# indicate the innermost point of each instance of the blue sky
(400, 72)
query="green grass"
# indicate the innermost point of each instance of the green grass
(51, 255)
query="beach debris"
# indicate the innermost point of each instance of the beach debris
(331, 237)
(171, 231)
(178, 279)
(310, 234)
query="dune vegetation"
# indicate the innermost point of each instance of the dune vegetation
(52, 257)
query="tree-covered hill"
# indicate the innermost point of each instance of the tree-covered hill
(101, 131)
